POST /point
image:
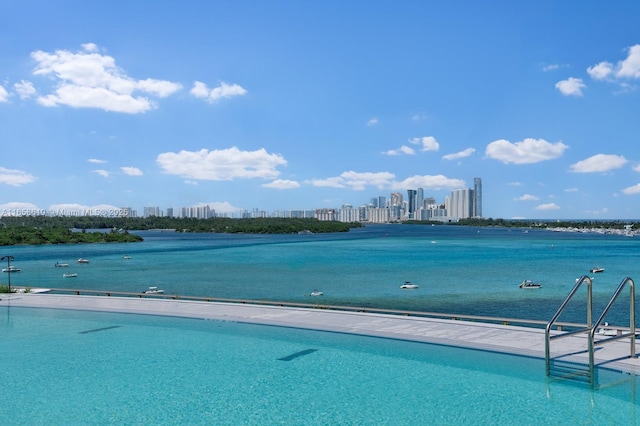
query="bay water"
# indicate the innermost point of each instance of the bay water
(459, 269)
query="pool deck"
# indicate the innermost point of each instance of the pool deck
(477, 335)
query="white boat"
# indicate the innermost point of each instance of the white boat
(316, 293)
(409, 285)
(126, 257)
(11, 269)
(153, 290)
(69, 275)
(529, 284)
(61, 265)
(606, 331)
(596, 270)
(81, 260)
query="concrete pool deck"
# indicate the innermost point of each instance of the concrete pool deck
(524, 341)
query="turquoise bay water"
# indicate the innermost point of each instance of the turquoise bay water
(89, 368)
(463, 270)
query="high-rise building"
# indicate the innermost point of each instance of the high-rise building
(477, 197)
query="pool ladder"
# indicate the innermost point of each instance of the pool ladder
(565, 369)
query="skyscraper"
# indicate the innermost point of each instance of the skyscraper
(477, 197)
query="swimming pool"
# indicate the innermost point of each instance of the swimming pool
(73, 367)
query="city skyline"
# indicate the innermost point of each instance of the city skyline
(291, 106)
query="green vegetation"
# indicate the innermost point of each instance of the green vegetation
(5, 289)
(32, 230)
(29, 235)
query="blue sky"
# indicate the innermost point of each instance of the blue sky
(299, 105)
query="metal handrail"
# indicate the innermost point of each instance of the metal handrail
(632, 321)
(554, 319)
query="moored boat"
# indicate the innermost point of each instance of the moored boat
(529, 284)
(408, 286)
(72, 275)
(11, 269)
(316, 292)
(596, 270)
(81, 260)
(153, 290)
(61, 265)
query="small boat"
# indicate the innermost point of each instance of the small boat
(316, 293)
(126, 257)
(69, 275)
(409, 285)
(81, 260)
(11, 269)
(153, 290)
(606, 331)
(596, 270)
(61, 265)
(529, 284)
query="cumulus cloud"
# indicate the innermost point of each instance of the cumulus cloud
(528, 197)
(356, 180)
(548, 206)
(571, 86)
(632, 190)
(428, 143)
(435, 182)
(407, 150)
(88, 79)
(526, 152)
(225, 164)
(131, 171)
(599, 163)
(4, 95)
(372, 122)
(16, 205)
(620, 72)
(103, 173)
(462, 154)
(282, 184)
(15, 177)
(224, 90)
(385, 180)
(24, 89)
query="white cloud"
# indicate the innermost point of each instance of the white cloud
(372, 122)
(630, 67)
(24, 89)
(632, 190)
(4, 95)
(571, 190)
(356, 180)
(571, 86)
(224, 207)
(526, 152)
(15, 177)
(548, 206)
(16, 205)
(131, 171)
(528, 197)
(402, 150)
(599, 163)
(436, 182)
(428, 143)
(102, 173)
(224, 90)
(462, 154)
(282, 184)
(96, 161)
(601, 71)
(225, 164)
(87, 79)
(551, 67)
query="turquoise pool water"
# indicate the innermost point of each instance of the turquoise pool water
(88, 368)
